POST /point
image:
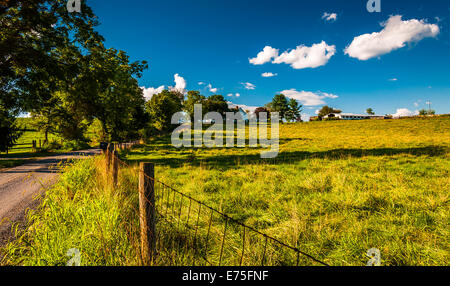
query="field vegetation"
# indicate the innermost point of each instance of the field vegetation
(337, 189)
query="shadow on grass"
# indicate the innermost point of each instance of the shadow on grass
(189, 157)
(11, 163)
(24, 155)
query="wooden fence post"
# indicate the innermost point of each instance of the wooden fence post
(147, 211)
(115, 167)
(108, 158)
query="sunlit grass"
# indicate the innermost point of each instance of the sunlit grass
(81, 211)
(336, 190)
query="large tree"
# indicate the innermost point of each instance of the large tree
(33, 35)
(193, 97)
(279, 104)
(216, 103)
(161, 108)
(57, 68)
(294, 110)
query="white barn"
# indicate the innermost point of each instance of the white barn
(351, 116)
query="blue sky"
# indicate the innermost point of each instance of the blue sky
(212, 41)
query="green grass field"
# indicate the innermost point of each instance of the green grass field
(336, 190)
(23, 151)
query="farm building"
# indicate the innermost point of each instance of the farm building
(351, 116)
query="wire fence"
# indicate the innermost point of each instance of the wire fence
(188, 232)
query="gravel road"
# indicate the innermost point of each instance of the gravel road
(19, 186)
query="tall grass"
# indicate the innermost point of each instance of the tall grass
(336, 190)
(81, 211)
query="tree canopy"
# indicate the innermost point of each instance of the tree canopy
(325, 110)
(279, 104)
(54, 65)
(294, 110)
(161, 107)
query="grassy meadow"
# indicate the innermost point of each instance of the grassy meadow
(337, 189)
(22, 151)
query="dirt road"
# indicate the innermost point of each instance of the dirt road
(19, 186)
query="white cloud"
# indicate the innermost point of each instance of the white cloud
(305, 117)
(329, 16)
(308, 98)
(299, 58)
(212, 89)
(201, 83)
(416, 104)
(180, 84)
(393, 79)
(248, 85)
(395, 34)
(267, 54)
(268, 74)
(149, 92)
(251, 109)
(231, 95)
(307, 57)
(404, 112)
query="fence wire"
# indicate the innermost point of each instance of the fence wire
(190, 233)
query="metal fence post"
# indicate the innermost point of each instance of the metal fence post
(147, 211)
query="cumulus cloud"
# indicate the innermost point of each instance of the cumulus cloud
(251, 109)
(404, 112)
(180, 84)
(299, 58)
(211, 88)
(267, 54)
(329, 16)
(231, 95)
(268, 74)
(307, 57)
(393, 79)
(149, 92)
(248, 85)
(395, 34)
(308, 98)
